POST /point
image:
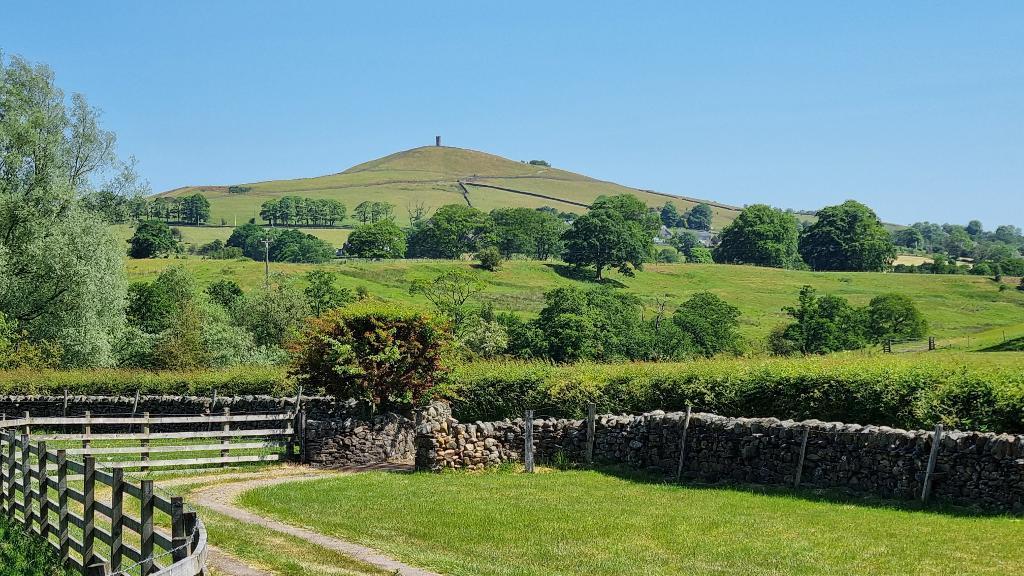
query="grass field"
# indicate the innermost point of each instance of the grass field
(591, 523)
(955, 306)
(430, 175)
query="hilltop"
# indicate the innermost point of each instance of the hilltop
(433, 176)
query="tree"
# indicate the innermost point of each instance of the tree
(684, 241)
(823, 324)
(195, 209)
(61, 271)
(323, 294)
(380, 355)
(224, 292)
(381, 240)
(700, 255)
(958, 242)
(909, 238)
(760, 235)
(710, 324)
(297, 246)
(670, 215)
(699, 218)
(974, 228)
(894, 316)
(449, 292)
(847, 237)
(617, 232)
(274, 314)
(452, 231)
(596, 324)
(490, 259)
(152, 238)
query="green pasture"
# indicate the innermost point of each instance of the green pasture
(955, 306)
(594, 523)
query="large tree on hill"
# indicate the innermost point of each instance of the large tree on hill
(699, 218)
(847, 237)
(152, 238)
(381, 240)
(61, 272)
(532, 233)
(453, 230)
(617, 232)
(760, 235)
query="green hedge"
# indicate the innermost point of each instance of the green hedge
(242, 380)
(23, 555)
(908, 392)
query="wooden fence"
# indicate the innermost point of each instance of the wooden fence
(35, 491)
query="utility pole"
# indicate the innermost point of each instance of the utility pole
(266, 262)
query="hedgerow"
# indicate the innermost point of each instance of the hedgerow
(233, 381)
(914, 392)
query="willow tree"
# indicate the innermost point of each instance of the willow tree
(62, 277)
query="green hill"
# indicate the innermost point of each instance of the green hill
(433, 176)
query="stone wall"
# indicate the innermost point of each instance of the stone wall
(350, 442)
(972, 468)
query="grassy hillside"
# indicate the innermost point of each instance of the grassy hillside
(956, 306)
(430, 175)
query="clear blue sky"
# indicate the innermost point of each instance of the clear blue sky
(916, 108)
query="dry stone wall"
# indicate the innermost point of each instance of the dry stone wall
(972, 468)
(350, 442)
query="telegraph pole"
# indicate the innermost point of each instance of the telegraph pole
(266, 262)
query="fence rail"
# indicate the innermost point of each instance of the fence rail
(35, 490)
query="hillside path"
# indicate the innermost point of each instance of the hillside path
(221, 497)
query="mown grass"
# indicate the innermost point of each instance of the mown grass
(592, 523)
(955, 306)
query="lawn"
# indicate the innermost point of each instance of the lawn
(955, 306)
(588, 522)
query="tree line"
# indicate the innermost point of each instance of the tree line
(300, 211)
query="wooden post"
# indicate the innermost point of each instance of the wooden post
(145, 442)
(87, 430)
(64, 411)
(28, 428)
(931, 343)
(135, 410)
(226, 440)
(178, 529)
(89, 512)
(44, 496)
(62, 505)
(302, 436)
(528, 440)
(11, 463)
(926, 485)
(3, 475)
(682, 444)
(146, 522)
(800, 460)
(117, 519)
(98, 569)
(591, 430)
(26, 481)
(190, 519)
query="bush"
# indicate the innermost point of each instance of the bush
(490, 258)
(908, 392)
(385, 356)
(24, 555)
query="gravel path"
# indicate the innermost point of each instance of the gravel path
(220, 498)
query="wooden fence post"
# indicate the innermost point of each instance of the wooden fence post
(926, 487)
(98, 569)
(800, 460)
(117, 519)
(190, 519)
(87, 430)
(682, 444)
(528, 440)
(64, 411)
(591, 430)
(44, 495)
(11, 463)
(144, 443)
(227, 439)
(28, 428)
(89, 512)
(3, 475)
(62, 505)
(178, 529)
(146, 531)
(135, 410)
(302, 436)
(26, 481)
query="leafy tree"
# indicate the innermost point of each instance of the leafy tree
(323, 294)
(533, 233)
(709, 324)
(909, 238)
(297, 246)
(484, 338)
(974, 228)
(894, 316)
(958, 242)
(595, 324)
(387, 357)
(224, 292)
(823, 324)
(152, 238)
(380, 240)
(452, 231)
(1008, 234)
(699, 218)
(684, 241)
(668, 255)
(700, 255)
(449, 292)
(670, 215)
(273, 315)
(847, 237)
(760, 235)
(490, 259)
(62, 276)
(195, 209)
(617, 232)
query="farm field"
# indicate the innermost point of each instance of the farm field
(429, 176)
(955, 306)
(502, 523)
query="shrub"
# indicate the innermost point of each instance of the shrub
(490, 258)
(382, 355)
(699, 255)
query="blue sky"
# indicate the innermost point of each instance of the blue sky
(915, 108)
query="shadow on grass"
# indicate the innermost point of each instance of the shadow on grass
(817, 495)
(582, 275)
(1015, 345)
